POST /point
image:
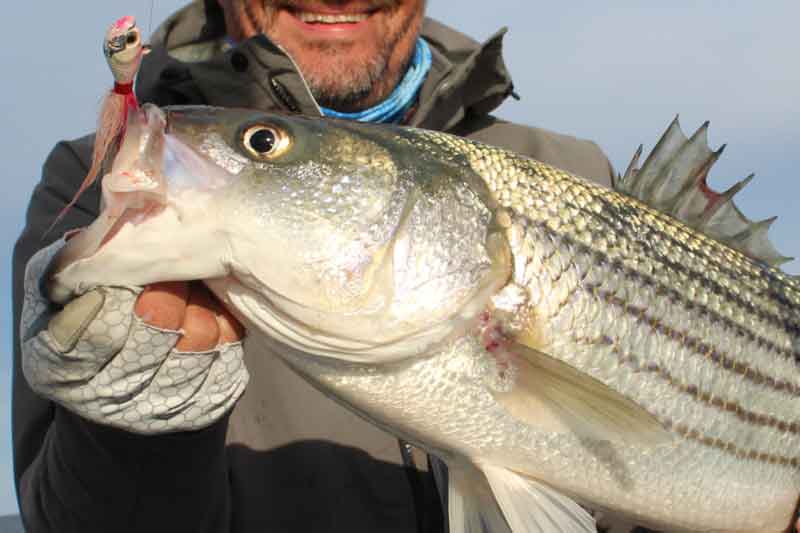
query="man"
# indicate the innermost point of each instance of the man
(284, 458)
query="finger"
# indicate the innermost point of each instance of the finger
(201, 331)
(163, 305)
(230, 329)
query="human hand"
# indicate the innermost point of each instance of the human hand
(150, 360)
(188, 307)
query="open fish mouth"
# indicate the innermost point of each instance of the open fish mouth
(157, 184)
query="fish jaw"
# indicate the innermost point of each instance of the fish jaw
(159, 220)
(167, 244)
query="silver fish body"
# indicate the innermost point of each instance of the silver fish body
(532, 329)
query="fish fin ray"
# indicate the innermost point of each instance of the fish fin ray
(633, 167)
(553, 395)
(531, 506)
(640, 182)
(673, 180)
(471, 506)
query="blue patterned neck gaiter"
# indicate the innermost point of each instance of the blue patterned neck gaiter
(394, 108)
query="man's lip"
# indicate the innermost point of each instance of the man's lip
(351, 8)
(339, 18)
(338, 28)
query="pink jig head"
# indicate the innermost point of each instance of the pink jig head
(123, 49)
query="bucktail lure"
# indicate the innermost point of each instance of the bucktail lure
(124, 49)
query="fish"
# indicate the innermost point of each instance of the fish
(561, 346)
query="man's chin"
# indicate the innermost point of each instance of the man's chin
(346, 85)
(344, 97)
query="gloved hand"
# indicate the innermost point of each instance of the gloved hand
(160, 359)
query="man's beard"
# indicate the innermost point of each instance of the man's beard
(341, 85)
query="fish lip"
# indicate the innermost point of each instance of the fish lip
(86, 244)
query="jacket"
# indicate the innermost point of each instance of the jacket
(287, 458)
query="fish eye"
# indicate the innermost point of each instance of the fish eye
(265, 142)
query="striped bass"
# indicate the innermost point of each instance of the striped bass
(557, 344)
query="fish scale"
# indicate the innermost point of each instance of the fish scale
(551, 340)
(632, 298)
(732, 287)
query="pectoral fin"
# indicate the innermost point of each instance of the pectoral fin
(553, 395)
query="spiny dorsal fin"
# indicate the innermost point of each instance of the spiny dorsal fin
(673, 180)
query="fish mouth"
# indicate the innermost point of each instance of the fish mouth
(155, 177)
(134, 188)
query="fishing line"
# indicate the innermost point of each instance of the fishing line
(150, 21)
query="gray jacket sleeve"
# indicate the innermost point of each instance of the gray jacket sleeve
(74, 475)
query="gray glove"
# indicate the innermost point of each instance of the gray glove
(97, 358)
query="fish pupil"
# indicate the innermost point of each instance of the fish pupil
(262, 141)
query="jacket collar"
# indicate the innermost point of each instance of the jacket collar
(191, 63)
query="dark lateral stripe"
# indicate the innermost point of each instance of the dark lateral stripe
(720, 444)
(712, 285)
(697, 346)
(601, 259)
(731, 448)
(749, 417)
(716, 259)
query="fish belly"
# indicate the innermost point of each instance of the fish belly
(444, 403)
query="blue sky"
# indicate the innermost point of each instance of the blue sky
(616, 72)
